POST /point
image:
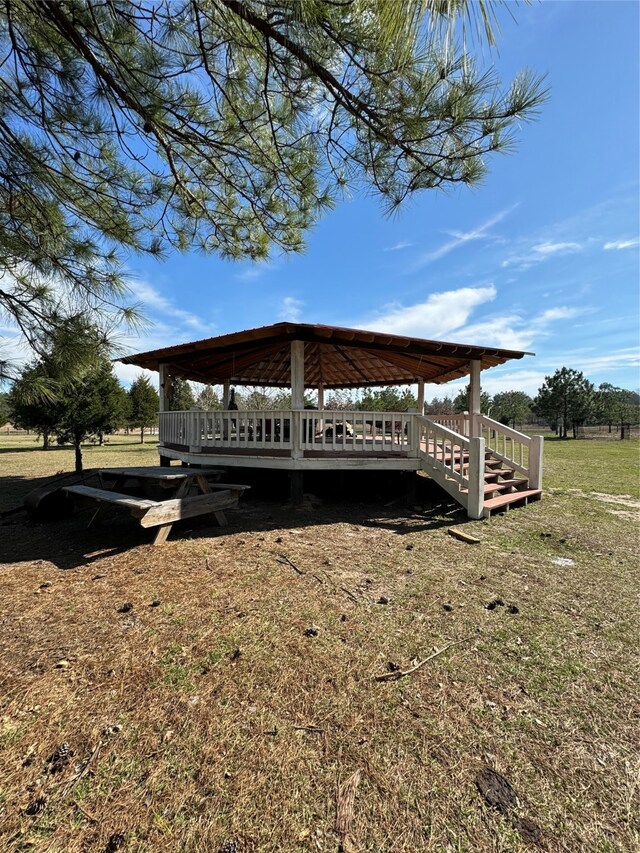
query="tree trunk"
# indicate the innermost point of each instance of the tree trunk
(45, 441)
(141, 435)
(77, 441)
(621, 432)
(100, 438)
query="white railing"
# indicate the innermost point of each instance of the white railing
(227, 429)
(296, 431)
(520, 452)
(456, 423)
(353, 431)
(455, 461)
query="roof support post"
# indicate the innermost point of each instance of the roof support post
(320, 396)
(474, 397)
(421, 396)
(297, 397)
(226, 393)
(297, 375)
(164, 387)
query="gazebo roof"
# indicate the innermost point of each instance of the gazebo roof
(335, 357)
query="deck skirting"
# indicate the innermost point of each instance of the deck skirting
(325, 461)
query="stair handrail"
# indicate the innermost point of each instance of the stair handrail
(531, 466)
(439, 443)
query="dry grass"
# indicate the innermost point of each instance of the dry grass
(212, 720)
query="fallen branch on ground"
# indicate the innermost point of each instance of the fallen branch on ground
(400, 673)
(282, 558)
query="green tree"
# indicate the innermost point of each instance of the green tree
(181, 398)
(208, 399)
(618, 406)
(565, 399)
(33, 412)
(96, 406)
(93, 404)
(339, 401)
(230, 125)
(440, 406)
(461, 401)
(511, 407)
(390, 399)
(5, 408)
(144, 405)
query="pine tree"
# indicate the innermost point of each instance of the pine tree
(182, 397)
(511, 407)
(228, 125)
(144, 404)
(565, 399)
(90, 403)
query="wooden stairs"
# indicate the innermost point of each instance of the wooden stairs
(504, 488)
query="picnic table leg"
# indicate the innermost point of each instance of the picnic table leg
(97, 515)
(165, 529)
(163, 532)
(205, 488)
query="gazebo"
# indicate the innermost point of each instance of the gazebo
(481, 463)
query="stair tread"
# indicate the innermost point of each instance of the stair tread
(497, 487)
(510, 497)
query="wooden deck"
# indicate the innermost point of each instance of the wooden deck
(482, 464)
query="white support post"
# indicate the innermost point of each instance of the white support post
(164, 390)
(536, 449)
(474, 396)
(320, 396)
(421, 396)
(297, 397)
(164, 393)
(475, 505)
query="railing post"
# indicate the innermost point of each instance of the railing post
(536, 450)
(296, 434)
(414, 436)
(475, 504)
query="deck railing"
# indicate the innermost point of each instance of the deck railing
(297, 431)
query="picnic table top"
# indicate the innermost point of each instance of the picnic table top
(160, 473)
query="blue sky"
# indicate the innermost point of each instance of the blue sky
(543, 256)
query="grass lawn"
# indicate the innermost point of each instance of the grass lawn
(203, 718)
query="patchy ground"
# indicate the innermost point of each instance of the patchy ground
(219, 693)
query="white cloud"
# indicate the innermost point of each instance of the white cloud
(560, 313)
(438, 315)
(151, 298)
(253, 271)
(513, 331)
(541, 252)
(622, 244)
(291, 309)
(546, 249)
(398, 246)
(128, 373)
(462, 237)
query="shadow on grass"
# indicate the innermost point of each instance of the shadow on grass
(68, 544)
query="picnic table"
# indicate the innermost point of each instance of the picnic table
(178, 485)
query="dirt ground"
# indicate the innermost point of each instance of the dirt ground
(217, 693)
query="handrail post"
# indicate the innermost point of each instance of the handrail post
(414, 436)
(296, 433)
(475, 505)
(536, 450)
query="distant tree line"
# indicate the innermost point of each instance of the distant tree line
(92, 403)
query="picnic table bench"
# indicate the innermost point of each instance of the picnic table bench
(213, 498)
